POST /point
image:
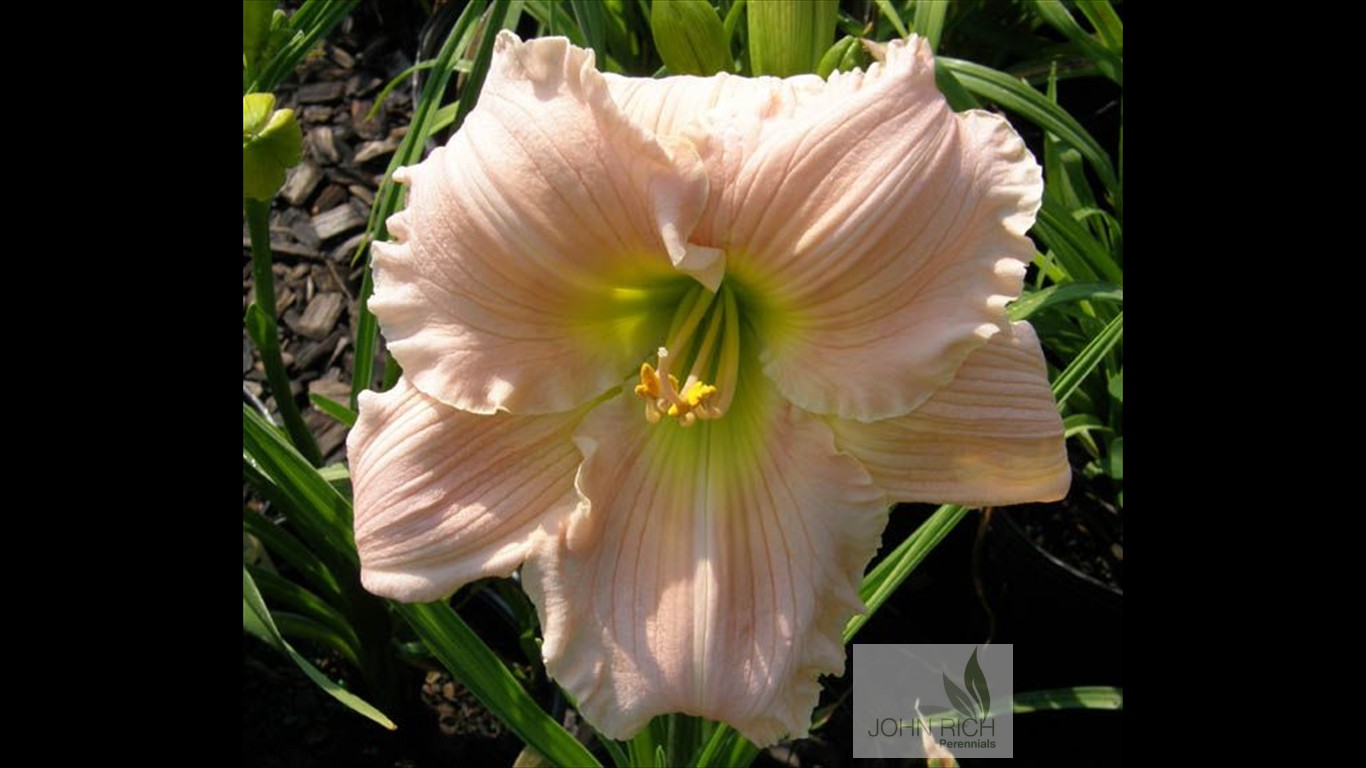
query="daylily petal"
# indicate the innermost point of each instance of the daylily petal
(992, 436)
(444, 497)
(709, 570)
(674, 105)
(532, 240)
(879, 234)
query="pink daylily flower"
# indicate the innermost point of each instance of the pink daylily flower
(673, 347)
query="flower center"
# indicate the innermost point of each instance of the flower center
(713, 355)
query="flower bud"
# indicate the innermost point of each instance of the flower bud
(690, 37)
(271, 143)
(847, 54)
(788, 38)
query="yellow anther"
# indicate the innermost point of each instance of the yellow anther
(697, 393)
(648, 387)
(703, 341)
(692, 403)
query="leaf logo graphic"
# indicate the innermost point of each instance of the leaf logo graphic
(976, 702)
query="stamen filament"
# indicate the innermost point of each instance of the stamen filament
(728, 371)
(703, 358)
(686, 318)
(695, 399)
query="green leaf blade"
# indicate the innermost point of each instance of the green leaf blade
(1018, 96)
(480, 670)
(1034, 302)
(316, 505)
(929, 20)
(1087, 360)
(256, 619)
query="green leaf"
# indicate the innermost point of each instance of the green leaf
(308, 25)
(588, 13)
(976, 683)
(958, 97)
(742, 751)
(1072, 176)
(1081, 255)
(474, 665)
(337, 475)
(883, 580)
(1054, 295)
(929, 20)
(960, 700)
(1115, 461)
(1018, 96)
(530, 758)
(367, 333)
(1057, 16)
(725, 747)
(394, 83)
(690, 37)
(555, 19)
(889, 13)
(500, 18)
(1079, 423)
(1106, 22)
(289, 549)
(614, 751)
(1051, 700)
(642, 746)
(1117, 386)
(732, 20)
(334, 409)
(256, 619)
(1080, 697)
(315, 506)
(1087, 360)
(255, 32)
(335, 632)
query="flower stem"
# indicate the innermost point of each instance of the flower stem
(266, 334)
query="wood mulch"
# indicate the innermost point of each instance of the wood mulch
(318, 220)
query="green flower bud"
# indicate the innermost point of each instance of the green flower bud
(271, 143)
(690, 37)
(847, 54)
(788, 38)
